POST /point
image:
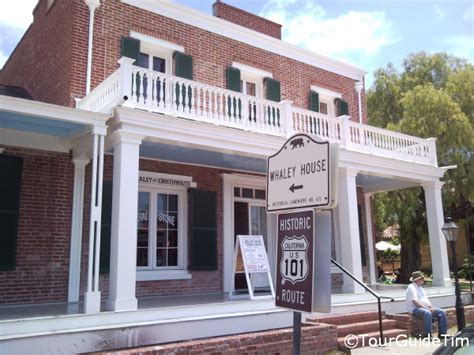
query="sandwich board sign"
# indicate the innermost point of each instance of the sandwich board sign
(250, 256)
(302, 175)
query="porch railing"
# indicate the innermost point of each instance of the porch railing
(369, 290)
(135, 87)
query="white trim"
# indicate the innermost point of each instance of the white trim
(156, 42)
(23, 139)
(230, 30)
(229, 181)
(163, 275)
(252, 71)
(326, 92)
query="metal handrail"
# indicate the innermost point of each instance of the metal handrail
(368, 289)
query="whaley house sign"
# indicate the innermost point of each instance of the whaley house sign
(301, 176)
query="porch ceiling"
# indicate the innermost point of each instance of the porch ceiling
(40, 124)
(201, 157)
(372, 183)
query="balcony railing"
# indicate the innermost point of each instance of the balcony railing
(153, 91)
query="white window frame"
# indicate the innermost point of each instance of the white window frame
(327, 96)
(158, 48)
(152, 272)
(252, 75)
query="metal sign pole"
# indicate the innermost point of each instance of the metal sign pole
(296, 333)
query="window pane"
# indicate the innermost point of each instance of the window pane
(247, 193)
(260, 194)
(251, 88)
(143, 60)
(159, 64)
(173, 203)
(323, 108)
(142, 257)
(236, 191)
(162, 202)
(161, 238)
(160, 257)
(173, 238)
(172, 257)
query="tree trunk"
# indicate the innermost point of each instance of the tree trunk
(410, 258)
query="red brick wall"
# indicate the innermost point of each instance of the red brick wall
(246, 19)
(62, 34)
(42, 265)
(315, 339)
(41, 62)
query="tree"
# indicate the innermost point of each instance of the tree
(432, 97)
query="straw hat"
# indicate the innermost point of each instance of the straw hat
(415, 275)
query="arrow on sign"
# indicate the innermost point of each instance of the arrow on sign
(297, 187)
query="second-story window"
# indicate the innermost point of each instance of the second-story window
(149, 61)
(322, 100)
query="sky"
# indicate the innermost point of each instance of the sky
(366, 33)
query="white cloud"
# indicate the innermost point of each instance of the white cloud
(460, 46)
(17, 13)
(347, 35)
(469, 14)
(439, 12)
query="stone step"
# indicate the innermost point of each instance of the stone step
(365, 327)
(339, 319)
(368, 339)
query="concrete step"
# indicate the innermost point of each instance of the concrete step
(347, 318)
(372, 338)
(365, 327)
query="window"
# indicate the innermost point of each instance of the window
(326, 100)
(149, 61)
(161, 246)
(251, 79)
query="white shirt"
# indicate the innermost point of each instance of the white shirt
(415, 292)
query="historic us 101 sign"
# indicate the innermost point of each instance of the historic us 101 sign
(303, 174)
(294, 281)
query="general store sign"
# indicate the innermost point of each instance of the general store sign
(294, 286)
(146, 178)
(303, 174)
(253, 253)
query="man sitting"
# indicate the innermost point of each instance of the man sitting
(418, 304)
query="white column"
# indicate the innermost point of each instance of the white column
(92, 296)
(228, 218)
(123, 248)
(349, 229)
(370, 239)
(439, 253)
(76, 229)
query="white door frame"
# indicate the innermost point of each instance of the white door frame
(229, 182)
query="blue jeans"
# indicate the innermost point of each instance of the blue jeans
(427, 317)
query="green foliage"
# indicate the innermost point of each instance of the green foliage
(464, 272)
(432, 97)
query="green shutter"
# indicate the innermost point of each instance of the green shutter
(10, 185)
(273, 89)
(342, 107)
(106, 227)
(130, 47)
(313, 101)
(233, 79)
(203, 230)
(183, 65)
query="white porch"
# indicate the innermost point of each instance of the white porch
(54, 328)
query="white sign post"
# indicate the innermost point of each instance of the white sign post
(302, 175)
(251, 249)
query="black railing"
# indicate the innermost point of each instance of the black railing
(369, 290)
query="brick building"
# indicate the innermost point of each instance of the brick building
(171, 113)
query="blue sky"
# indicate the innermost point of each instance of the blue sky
(365, 33)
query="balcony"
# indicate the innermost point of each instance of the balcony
(144, 89)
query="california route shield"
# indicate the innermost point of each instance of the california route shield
(294, 262)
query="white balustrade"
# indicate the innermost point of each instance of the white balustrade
(153, 91)
(104, 97)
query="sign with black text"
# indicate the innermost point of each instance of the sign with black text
(294, 280)
(303, 174)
